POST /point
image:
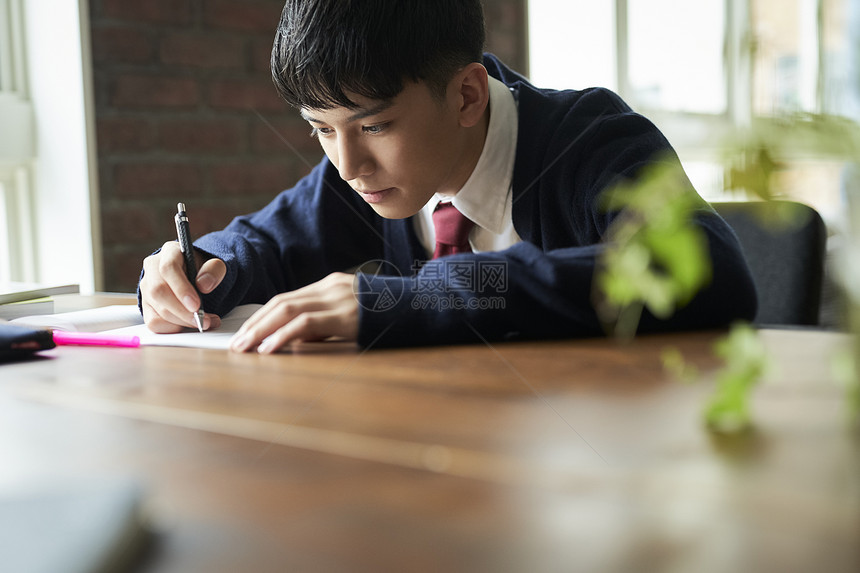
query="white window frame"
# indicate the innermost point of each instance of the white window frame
(701, 136)
(49, 223)
(17, 150)
(12, 69)
(739, 80)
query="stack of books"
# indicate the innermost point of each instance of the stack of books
(25, 299)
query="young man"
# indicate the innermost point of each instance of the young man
(410, 114)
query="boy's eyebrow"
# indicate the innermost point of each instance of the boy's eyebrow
(378, 108)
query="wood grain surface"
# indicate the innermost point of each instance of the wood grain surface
(579, 455)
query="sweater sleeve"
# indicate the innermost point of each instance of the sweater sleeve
(527, 293)
(305, 233)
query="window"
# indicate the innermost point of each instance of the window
(16, 150)
(11, 48)
(702, 70)
(572, 44)
(676, 68)
(47, 182)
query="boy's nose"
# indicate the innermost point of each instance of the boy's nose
(353, 161)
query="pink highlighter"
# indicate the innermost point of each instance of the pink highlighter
(63, 338)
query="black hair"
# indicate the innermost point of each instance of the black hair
(326, 48)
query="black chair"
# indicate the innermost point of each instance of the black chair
(785, 246)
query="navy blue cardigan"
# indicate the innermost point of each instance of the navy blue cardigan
(571, 146)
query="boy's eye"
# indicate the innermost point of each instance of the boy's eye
(321, 131)
(318, 132)
(374, 129)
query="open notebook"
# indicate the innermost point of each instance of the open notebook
(125, 319)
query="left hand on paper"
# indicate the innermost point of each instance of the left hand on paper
(318, 311)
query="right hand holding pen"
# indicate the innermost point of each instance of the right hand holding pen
(168, 299)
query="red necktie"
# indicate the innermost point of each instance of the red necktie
(452, 231)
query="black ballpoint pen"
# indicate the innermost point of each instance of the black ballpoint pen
(184, 235)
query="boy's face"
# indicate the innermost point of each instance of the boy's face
(398, 153)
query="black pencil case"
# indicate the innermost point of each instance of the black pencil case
(20, 341)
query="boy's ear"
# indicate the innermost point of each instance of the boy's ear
(473, 93)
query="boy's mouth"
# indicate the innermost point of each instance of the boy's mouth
(375, 196)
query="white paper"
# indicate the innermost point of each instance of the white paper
(126, 319)
(218, 338)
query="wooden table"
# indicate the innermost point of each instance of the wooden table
(552, 456)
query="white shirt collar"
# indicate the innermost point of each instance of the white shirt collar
(484, 198)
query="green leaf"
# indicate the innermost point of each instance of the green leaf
(657, 256)
(745, 362)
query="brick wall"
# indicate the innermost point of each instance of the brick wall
(186, 111)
